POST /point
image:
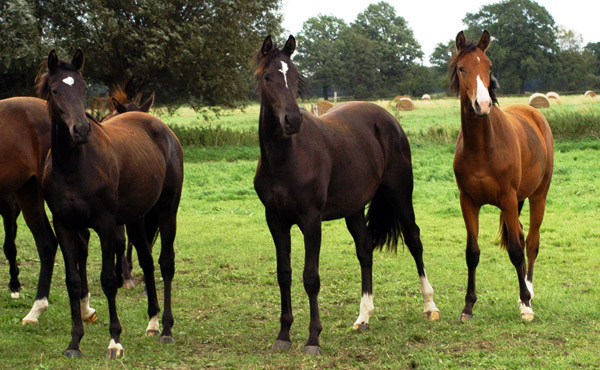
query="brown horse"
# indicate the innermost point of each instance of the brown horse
(314, 169)
(502, 158)
(103, 175)
(24, 144)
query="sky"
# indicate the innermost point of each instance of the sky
(435, 21)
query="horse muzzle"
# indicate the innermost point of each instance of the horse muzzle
(80, 132)
(291, 123)
(483, 107)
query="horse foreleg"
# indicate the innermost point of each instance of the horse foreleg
(32, 205)
(280, 231)
(69, 243)
(311, 228)
(537, 206)
(88, 314)
(510, 214)
(471, 217)
(110, 282)
(364, 252)
(10, 211)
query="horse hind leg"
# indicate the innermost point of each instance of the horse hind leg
(537, 207)
(120, 243)
(357, 226)
(166, 260)
(9, 210)
(402, 205)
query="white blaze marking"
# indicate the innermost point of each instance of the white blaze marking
(427, 293)
(39, 306)
(366, 309)
(283, 70)
(153, 324)
(69, 81)
(483, 96)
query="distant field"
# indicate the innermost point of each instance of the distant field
(226, 299)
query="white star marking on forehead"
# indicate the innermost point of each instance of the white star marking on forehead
(283, 70)
(69, 81)
(478, 60)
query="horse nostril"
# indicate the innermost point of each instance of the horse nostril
(477, 105)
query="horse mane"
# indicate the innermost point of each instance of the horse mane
(42, 86)
(453, 69)
(262, 61)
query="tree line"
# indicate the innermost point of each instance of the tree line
(198, 52)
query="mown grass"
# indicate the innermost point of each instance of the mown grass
(226, 299)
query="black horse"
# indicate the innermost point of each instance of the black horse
(314, 169)
(122, 172)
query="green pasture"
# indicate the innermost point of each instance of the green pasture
(226, 298)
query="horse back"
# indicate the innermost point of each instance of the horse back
(25, 137)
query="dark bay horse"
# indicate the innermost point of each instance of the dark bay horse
(314, 169)
(100, 176)
(24, 144)
(502, 158)
(121, 103)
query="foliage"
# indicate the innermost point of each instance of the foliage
(189, 51)
(318, 54)
(524, 39)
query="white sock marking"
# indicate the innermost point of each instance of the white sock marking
(366, 309)
(69, 81)
(86, 310)
(14, 295)
(153, 324)
(114, 344)
(39, 306)
(427, 293)
(283, 70)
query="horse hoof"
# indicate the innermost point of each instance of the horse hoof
(152, 333)
(91, 319)
(113, 353)
(465, 317)
(14, 295)
(281, 345)
(166, 339)
(312, 350)
(361, 327)
(527, 316)
(129, 284)
(433, 315)
(73, 353)
(29, 322)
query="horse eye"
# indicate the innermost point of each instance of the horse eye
(267, 77)
(461, 70)
(54, 92)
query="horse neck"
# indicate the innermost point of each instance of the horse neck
(477, 131)
(275, 147)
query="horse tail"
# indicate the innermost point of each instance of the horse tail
(383, 222)
(152, 230)
(503, 231)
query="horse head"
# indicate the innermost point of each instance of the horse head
(471, 73)
(131, 106)
(279, 83)
(65, 89)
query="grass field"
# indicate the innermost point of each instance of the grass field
(226, 299)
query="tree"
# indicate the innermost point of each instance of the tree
(594, 49)
(524, 40)
(188, 51)
(20, 47)
(318, 54)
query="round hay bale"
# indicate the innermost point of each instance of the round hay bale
(590, 94)
(404, 104)
(425, 97)
(323, 106)
(553, 95)
(538, 100)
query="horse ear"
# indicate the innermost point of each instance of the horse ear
(120, 108)
(484, 40)
(460, 41)
(290, 46)
(77, 60)
(52, 61)
(267, 45)
(147, 104)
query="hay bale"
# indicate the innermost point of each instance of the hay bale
(425, 97)
(538, 100)
(323, 106)
(404, 104)
(552, 95)
(590, 94)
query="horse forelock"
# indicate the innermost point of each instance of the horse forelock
(119, 94)
(42, 80)
(469, 47)
(262, 61)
